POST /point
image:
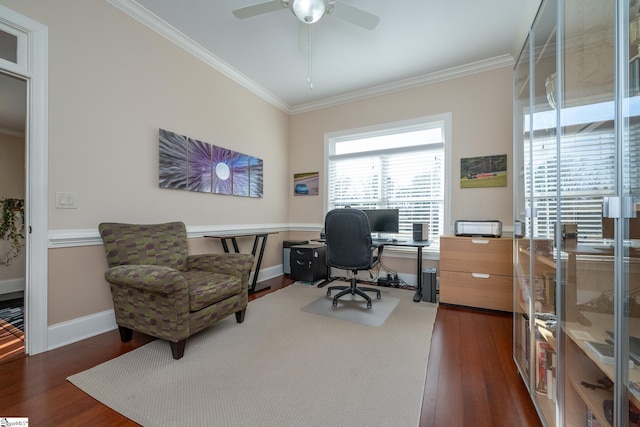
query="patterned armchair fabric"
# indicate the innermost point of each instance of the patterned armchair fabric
(160, 290)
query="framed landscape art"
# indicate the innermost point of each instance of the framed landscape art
(483, 172)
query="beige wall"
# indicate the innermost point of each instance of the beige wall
(12, 186)
(481, 107)
(113, 82)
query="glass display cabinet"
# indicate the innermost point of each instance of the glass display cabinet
(576, 223)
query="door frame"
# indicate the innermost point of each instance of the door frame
(32, 66)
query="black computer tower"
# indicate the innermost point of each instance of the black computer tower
(429, 285)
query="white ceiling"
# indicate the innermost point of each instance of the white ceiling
(415, 42)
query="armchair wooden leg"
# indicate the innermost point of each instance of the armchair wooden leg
(240, 315)
(177, 348)
(125, 333)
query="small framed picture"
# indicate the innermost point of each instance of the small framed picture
(306, 184)
(483, 172)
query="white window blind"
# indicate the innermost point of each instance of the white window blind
(400, 168)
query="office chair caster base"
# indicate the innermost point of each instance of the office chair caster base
(335, 303)
(368, 304)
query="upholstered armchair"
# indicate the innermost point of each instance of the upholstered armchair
(160, 290)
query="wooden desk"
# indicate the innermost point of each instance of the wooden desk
(257, 236)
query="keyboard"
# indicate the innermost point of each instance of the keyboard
(388, 241)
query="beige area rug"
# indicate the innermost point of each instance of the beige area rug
(281, 367)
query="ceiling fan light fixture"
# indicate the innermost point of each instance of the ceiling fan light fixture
(308, 11)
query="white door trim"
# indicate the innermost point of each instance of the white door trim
(33, 66)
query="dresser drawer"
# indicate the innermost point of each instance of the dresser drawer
(476, 255)
(477, 290)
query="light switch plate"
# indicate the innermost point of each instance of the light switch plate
(66, 200)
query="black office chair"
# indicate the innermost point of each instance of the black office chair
(349, 247)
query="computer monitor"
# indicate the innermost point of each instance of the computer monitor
(383, 220)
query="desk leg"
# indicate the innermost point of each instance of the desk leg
(235, 245)
(224, 245)
(234, 241)
(252, 287)
(418, 295)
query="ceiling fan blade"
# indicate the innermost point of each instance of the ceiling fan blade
(355, 16)
(257, 9)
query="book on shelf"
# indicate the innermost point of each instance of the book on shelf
(591, 420)
(603, 352)
(545, 369)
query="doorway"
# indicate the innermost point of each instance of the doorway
(13, 107)
(24, 55)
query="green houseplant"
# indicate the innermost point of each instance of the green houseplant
(11, 228)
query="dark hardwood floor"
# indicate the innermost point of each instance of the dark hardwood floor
(471, 379)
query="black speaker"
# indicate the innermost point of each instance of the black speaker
(420, 231)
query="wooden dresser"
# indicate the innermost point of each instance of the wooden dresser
(477, 272)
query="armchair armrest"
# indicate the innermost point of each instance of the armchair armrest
(152, 278)
(233, 264)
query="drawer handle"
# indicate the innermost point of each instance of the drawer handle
(480, 275)
(480, 241)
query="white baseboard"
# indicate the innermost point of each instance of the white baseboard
(269, 273)
(85, 327)
(12, 285)
(79, 329)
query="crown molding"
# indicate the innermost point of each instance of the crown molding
(133, 9)
(423, 80)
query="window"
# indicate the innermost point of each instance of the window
(395, 166)
(8, 47)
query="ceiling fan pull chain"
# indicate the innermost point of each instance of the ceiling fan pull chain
(309, 64)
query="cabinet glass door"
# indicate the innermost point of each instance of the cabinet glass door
(586, 179)
(577, 195)
(628, 245)
(521, 235)
(540, 154)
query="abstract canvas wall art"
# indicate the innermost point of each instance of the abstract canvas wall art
(173, 160)
(199, 166)
(194, 165)
(222, 170)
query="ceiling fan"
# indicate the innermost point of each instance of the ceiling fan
(310, 11)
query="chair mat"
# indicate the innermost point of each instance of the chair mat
(353, 308)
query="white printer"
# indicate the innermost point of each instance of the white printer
(490, 228)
